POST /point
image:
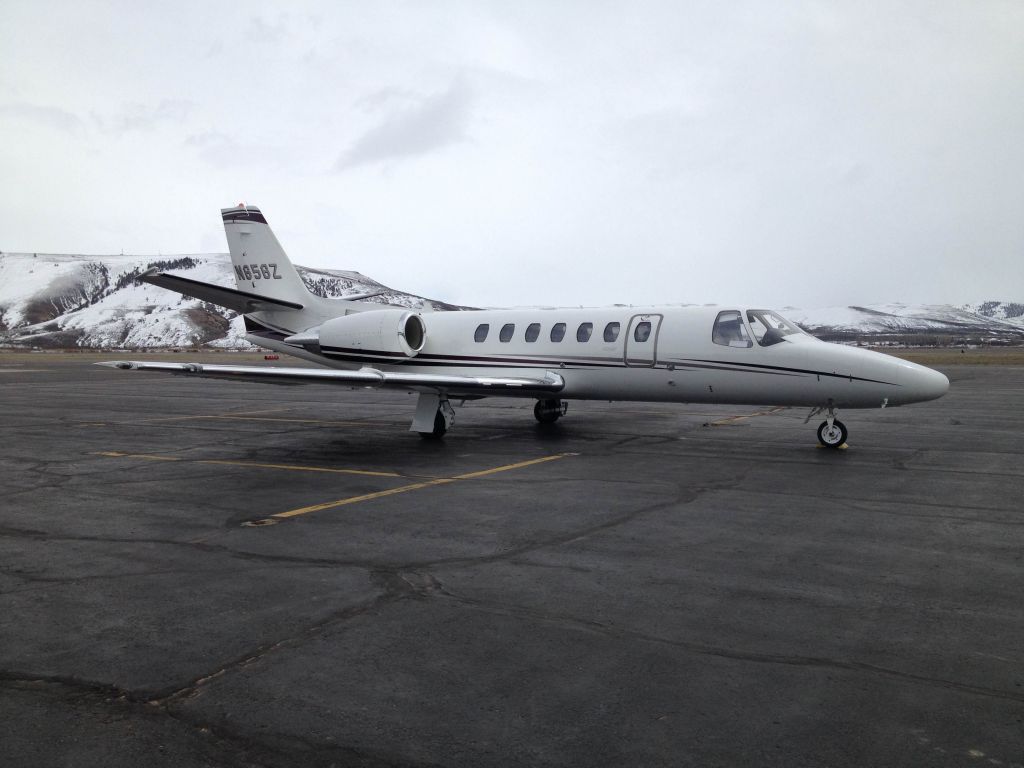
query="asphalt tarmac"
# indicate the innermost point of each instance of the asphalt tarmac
(201, 573)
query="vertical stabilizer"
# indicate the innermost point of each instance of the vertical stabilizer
(259, 261)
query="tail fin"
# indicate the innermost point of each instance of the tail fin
(261, 266)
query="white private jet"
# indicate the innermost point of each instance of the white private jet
(724, 355)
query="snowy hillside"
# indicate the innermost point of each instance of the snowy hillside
(991, 320)
(49, 300)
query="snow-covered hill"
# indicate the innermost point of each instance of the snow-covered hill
(51, 300)
(991, 320)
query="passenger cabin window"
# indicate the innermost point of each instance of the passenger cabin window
(506, 332)
(729, 330)
(642, 332)
(584, 331)
(532, 331)
(611, 332)
(481, 332)
(558, 331)
(769, 327)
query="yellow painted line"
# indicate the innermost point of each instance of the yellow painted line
(302, 421)
(240, 417)
(147, 456)
(732, 419)
(25, 370)
(232, 463)
(300, 468)
(415, 487)
(507, 467)
(212, 416)
(364, 497)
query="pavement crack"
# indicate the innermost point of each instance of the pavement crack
(683, 497)
(221, 743)
(393, 587)
(585, 625)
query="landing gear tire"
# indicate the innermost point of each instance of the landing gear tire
(548, 411)
(834, 435)
(440, 427)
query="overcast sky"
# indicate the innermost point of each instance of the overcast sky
(508, 153)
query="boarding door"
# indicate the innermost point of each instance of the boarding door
(642, 340)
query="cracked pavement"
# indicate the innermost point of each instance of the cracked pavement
(681, 587)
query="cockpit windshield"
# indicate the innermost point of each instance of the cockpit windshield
(769, 327)
(729, 330)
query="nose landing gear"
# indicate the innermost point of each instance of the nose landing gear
(832, 433)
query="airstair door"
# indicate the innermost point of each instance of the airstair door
(642, 340)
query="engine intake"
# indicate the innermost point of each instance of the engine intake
(392, 333)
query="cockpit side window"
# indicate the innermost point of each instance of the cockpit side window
(729, 330)
(769, 327)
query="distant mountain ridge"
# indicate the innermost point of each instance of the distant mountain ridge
(988, 322)
(65, 300)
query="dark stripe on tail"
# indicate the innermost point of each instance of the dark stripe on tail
(249, 214)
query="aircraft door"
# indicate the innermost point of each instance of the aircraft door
(642, 341)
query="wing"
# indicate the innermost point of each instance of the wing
(364, 377)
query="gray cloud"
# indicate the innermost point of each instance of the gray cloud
(430, 123)
(818, 153)
(263, 31)
(145, 117)
(51, 117)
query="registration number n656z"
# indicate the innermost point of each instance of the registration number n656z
(257, 272)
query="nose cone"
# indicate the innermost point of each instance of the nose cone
(920, 383)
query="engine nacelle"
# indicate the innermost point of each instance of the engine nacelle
(397, 333)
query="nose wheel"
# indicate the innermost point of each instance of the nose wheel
(832, 435)
(832, 432)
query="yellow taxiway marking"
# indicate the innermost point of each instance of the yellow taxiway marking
(244, 417)
(732, 419)
(187, 416)
(414, 487)
(25, 370)
(233, 463)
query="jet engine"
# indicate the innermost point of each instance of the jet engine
(395, 333)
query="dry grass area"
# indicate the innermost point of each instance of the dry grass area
(956, 356)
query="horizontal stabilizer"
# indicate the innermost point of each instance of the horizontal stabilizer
(231, 298)
(364, 377)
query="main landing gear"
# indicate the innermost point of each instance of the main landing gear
(549, 411)
(434, 416)
(832, 432)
